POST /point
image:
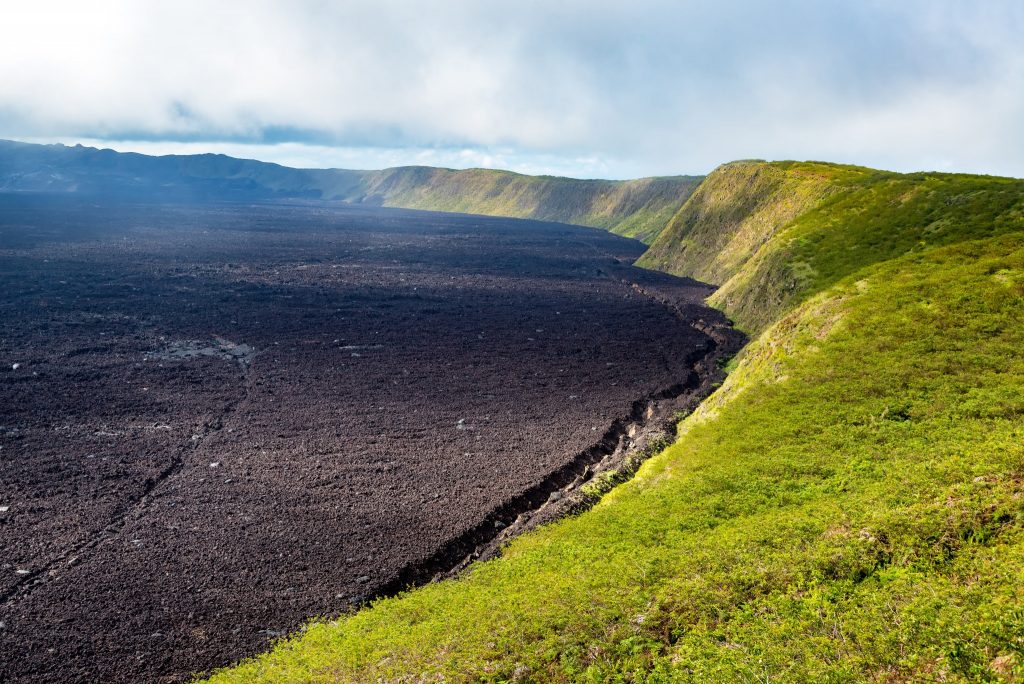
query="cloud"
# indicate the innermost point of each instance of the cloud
(613, 88)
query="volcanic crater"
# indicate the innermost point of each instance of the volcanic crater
(218, 421)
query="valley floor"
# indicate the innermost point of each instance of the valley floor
(219, 420)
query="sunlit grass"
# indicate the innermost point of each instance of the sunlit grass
(636, 208)
(849, 506)
(774, 234)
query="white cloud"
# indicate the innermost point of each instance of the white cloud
(580, 88)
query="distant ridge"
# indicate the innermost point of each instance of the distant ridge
(635, 208)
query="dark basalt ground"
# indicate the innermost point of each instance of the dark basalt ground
(218, 421)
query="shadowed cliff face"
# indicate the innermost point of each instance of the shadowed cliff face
(634, 208)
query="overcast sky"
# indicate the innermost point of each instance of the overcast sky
(584, 88)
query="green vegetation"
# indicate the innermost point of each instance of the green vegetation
(773, 234)
(848, 506)
(635, 208)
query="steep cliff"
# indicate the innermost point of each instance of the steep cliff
(772, 234)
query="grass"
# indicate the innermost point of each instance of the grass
(847, 507)
(773, 234)
(739, 208)
(634, 208)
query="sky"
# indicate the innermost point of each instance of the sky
(578, 88)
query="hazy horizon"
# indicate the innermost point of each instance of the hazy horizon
(274, 156)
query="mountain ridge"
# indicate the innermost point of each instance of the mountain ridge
(633, 208)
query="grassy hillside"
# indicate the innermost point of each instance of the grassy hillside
(634, 208)
(773, 233)
(847, 507)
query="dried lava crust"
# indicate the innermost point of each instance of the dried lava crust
(218, 420)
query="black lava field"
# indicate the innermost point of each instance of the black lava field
(219, 421)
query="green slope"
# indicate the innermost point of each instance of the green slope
(773, 233)
(635, 208)
(847, 507)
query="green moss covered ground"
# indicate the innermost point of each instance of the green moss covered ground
(847, 507)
